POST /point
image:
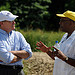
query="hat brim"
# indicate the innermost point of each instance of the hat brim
(60, 15)
(13, 17)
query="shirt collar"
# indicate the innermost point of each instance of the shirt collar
(72, 35)
(5, 33)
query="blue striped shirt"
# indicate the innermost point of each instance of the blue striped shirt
(14, 41)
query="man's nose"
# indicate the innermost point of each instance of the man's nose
(14, 22)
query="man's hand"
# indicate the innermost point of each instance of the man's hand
(59, 54)
(42, 47)
(46, 49)
(15, 59)
(51, 53)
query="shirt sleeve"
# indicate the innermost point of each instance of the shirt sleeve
(25, 46)
(5, 56)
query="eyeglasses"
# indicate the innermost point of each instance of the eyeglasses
(64, 20)
(61, 20)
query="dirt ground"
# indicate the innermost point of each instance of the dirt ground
(39, 64)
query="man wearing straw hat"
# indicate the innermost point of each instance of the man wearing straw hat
(13, 46)
(65, 61)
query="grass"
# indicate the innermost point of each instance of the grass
(48, 38)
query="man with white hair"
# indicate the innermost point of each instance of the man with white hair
(65, 56)
(13, 46)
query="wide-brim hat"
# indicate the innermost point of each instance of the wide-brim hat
(68, 14)
(6, 15)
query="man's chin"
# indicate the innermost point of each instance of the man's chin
(13, 28)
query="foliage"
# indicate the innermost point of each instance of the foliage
(34, 14)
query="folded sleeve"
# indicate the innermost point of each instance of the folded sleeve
(5, 56)
(25, 46)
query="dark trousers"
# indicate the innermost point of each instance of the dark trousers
(10, 71)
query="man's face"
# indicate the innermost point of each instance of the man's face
(65, 24)
(8, 25)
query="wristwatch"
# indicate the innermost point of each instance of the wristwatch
(66, 59)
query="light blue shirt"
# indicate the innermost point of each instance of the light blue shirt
(14, 41)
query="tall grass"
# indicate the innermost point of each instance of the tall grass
(48, 38)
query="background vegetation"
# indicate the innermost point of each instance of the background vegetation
(35, 14)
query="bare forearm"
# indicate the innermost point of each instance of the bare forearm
(50, 54)
(21, 53)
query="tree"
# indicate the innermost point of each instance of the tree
(35, 14)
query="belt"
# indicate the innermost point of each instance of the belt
(11, 67)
